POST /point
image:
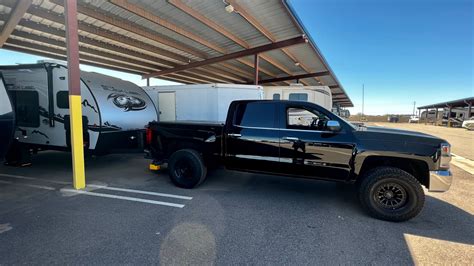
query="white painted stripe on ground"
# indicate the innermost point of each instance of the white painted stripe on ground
(27, 185)
(141, 192)
(123, 198)
(38, 179)
(463, 163)
(102, 187)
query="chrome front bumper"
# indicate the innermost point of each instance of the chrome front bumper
(440, 181)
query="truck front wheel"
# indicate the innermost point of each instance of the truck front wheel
(391, 194)
(187, 168)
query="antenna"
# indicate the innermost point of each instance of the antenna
(363, 88)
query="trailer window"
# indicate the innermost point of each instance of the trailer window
(62, 99)
(303, 97)
(276, 96)
(26, 108)
(255, 115)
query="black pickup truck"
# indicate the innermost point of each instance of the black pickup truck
(301, 139)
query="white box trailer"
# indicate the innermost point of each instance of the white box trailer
(320, 95)
(200, 102)
(115, 112)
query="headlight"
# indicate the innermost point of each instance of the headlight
(445, 156)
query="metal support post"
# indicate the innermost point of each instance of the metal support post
(75, 106)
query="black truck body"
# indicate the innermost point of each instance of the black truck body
(302, 139)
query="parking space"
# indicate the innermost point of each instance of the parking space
(231, 218)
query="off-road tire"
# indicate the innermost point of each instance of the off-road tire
(386, 177)
(186, 168)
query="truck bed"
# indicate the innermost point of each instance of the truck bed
(170, 136)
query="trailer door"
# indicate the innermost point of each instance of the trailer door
(167, 106)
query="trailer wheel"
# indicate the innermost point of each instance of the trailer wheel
(187, 168)
(391, 194)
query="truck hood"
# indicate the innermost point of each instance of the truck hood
(398, 135)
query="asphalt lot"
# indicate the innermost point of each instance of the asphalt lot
(232, 218)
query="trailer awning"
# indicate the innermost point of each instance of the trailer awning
(178, 40)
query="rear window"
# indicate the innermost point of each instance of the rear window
(255, 115)
(303, 97)
(62, 99)
(26, 108)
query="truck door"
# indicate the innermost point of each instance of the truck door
(308, 149)
(252, 137)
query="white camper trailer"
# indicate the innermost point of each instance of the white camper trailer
(115, 112)
(320, 95)
(201, 102)
(7, 120)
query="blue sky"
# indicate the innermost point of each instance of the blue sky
(403, 51)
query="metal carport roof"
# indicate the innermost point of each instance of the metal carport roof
(465, 102)
(146, 36)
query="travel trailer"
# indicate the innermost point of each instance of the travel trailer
(320, 95)
(7, 120)
(456, 117)
(201, 102)
(115, 111)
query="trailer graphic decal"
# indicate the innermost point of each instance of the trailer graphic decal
(85, 103)
(126, 102)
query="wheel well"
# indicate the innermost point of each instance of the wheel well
(173, 146)
(417, 168)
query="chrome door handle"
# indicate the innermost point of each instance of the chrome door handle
(234, 135)
(291, 138)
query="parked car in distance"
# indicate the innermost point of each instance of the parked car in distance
(388, 166)
(468, 124)
(414, 119)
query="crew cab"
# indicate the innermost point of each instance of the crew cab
(302, 139)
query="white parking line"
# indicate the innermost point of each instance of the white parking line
(27, 185)
(102, 187)
(38, 179)
(123, 198)
(141, 192)
(463, 163)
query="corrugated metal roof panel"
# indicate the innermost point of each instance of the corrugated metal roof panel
(185, 38)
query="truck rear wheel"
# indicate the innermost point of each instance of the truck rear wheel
(187, 168)
(391, 194)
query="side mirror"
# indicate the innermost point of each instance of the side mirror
(333, 125)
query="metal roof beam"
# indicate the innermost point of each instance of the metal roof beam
(58, 18)
(211, 24)
(310, 75)
(251, 51)
(129, 26)
(252, 21)
(138, 11)
(61, 55)
(16, 14)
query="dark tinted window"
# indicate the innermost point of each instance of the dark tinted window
(256, 114)
(62, 99)
(276, 96)
(26, 108)
(298, 97)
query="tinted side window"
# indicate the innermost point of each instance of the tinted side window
(62, 99)
(255, 115)
(276, 96)
(26, 108)
(299, 118)
(298, 97)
